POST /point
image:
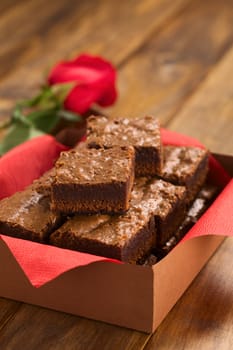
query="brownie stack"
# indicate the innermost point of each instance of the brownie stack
(121, 194)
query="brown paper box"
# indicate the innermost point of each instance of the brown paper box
(132, 296)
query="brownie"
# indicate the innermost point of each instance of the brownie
(27, 215)
(126, 237)
(143, 134)
(93, 181)
(131, 236)
(201, 203)
(44, 182)
(170, 207)
(186, 166)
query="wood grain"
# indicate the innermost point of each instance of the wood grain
(19, 46)
(211, 108)
(55, 330)
(5, 5)
(202, 320)
(100, 26)
(61, 30)
(169, 67)
(8, 309)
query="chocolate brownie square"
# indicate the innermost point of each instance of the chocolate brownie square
(169, 207)
(93, 181)
(27, 215)
(186, 166)
(200, 204)
(126, 238)
(129, 237)
(143, 134)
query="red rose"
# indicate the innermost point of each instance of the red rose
(73, 86)
(94, 80)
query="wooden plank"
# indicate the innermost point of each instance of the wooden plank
(55, 330)
(100, 27)
(169, 67)
(202, 319)
(8, 309)
(5, 5)
(208, 114)
(16, 25)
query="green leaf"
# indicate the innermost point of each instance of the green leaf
(17, 116)
(38, 115)
(45, 99)
(34, 101)
(50, 96)
(69, 116)
(44, 120)
(17, 134)
(33, 132)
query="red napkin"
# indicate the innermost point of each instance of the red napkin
(42, 263)
(20, 166)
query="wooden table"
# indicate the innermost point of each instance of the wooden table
(175, 60)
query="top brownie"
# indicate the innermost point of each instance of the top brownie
(143, 134)
(186, 166)
(92, 181)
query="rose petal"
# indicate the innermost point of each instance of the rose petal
(95, 78)
(80, 98)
